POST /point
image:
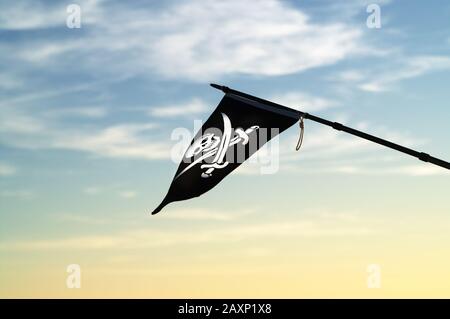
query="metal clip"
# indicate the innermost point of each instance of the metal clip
(300, 138)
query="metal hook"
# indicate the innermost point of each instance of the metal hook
(302, 130)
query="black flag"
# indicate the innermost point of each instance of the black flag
(239, 126)
(234, 131)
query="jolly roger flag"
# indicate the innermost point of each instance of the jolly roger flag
(236, 129)
(239, 126)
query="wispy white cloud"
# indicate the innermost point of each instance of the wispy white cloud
(130, 140)
(81, 219)
(352, 75)
(79, 112)
(17, 194)
(344, 10)
(10, 81)
(193, 39)
(304, 101)
(121, 141)
(185, 214)
(329, 225)
(266, 38)
(205, 214)
(19, 122)
(376, 167)
(7, 169)
(110, 189)
(26, 123)
(23, 15)
(195, 106)
(419, 170)
(127, 194)
(26, 14)
(408, 68)
(92, 190)
(42, 53)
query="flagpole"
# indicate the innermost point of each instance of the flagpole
(337, 126)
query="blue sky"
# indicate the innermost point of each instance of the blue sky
(87, 114)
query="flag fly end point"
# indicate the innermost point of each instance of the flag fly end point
(160, 206)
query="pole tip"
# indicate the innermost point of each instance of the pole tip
(219, 87)
(216, 86)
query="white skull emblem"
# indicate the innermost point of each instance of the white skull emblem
(205, 143)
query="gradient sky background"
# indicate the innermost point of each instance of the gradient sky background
(86, 117)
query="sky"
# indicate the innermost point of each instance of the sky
(88, 148)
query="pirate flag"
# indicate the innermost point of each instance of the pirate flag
(240, 125)
(237, 128)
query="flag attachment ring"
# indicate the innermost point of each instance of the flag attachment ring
(302, 130)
